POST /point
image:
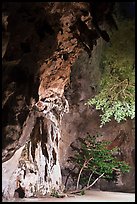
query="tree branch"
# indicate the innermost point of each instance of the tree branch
(86, 188)
(90, 178)
(84, 165)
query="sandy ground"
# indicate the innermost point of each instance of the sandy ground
(90, 196)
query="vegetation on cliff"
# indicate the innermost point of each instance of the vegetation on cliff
(116, 93)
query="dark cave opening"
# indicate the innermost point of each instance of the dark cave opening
(19, 193)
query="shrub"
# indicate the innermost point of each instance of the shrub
(94, 160)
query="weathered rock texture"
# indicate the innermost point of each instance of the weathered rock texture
(50, 68)
(82, 119)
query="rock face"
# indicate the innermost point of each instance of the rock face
(82, 119)
(50, 68)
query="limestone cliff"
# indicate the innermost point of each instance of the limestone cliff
(50, 67)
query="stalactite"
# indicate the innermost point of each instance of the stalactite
(53, 111)
(38, 169)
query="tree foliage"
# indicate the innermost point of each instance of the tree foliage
(116, 94)
(93, 159)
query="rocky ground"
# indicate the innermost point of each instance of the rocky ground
(90, 196)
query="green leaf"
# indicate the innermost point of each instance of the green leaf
(116, 94)
(103, 160)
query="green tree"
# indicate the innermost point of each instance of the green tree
(116, 93)
(93, 160)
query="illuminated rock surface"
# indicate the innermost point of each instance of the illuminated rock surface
(50, 69)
